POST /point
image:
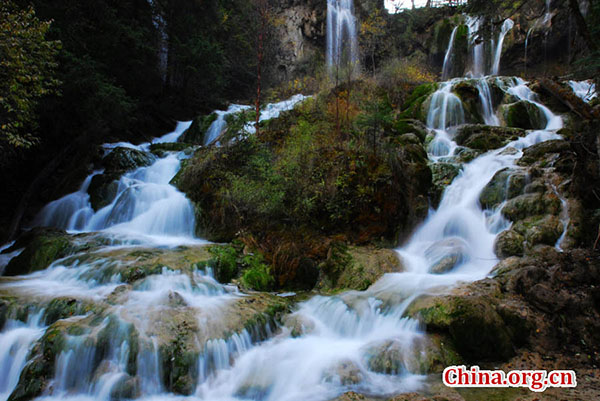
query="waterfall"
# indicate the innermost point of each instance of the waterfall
(145, 204)
(506, 26)
(485, 96)
(586, 90)
(446, 70)
(342, 37)
(477, 47)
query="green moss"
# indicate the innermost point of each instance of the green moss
(225, 259)
(43, 249)
(412, 107)
(195, 134)
(257, 275)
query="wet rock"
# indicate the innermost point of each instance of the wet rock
(523, 114)
(534, 204)
(410, 126)
(3, 312)
(195, 134)
(485, 137)
(509, 243)
(472, 322)
(348, 373)
(127, 388)
(468, 93)
(103, 189)
(506, 184)
(160, 149)
(443, 174)
(539, 151)
(356, 267)
(545, 230)
(445, 255)
(125, 159)
(42, 247)
(299, 325)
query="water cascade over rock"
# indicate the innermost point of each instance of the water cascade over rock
(133, 313)
(342, 36)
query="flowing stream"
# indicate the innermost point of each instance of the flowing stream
(340, 335)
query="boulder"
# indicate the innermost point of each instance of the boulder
(531, 204)
(445, 255)
(195, 134)
(509, 243)
(160, 149)
(125, 159)
(103, 189)
(472, 323)
(506, 184)
(539, 151)
(42, 247)
(525, 115)
(485, 137)
(356, 267)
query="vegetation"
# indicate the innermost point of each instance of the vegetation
(365, 184)
(27, 74)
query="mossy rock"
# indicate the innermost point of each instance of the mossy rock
(468, 93)
(534, 204)
(416, 106)
(472, 322)
(444, 173)
(195, 134)
(506, 184)
(42, 247)
(126, 159)
(485, 137)
(411, 126)
(540, 230)
(540, 151)
(355, 268)
(40, 368)
(4, 309)
(525, 115)
(509, 243)
(160, 149)
(103, 189)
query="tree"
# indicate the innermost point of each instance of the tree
(263, 9)
(27, 73)
(372, 33)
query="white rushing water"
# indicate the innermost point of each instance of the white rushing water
(329, 345)
(447, 68)
(342, 34)
(145, 205)
(586, 90)
(271, 111)
(506, 27)
(16, 340)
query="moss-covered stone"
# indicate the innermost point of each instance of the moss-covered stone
(539, 151)
(103, 189)
(43, 246)
(125, 159)
(472, 322)
(485, 137)
(525, 115)
(509, 243)
(355, 267)
(506, 184)
(160, 149)
(195, 134)
(534, 204)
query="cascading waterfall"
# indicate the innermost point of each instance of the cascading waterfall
(485, 97)
(586, 90)
(340, 335)
(477, 47)
(506, 27)
(342, 36)
(145, 205)
(446, 70)
(271, 110)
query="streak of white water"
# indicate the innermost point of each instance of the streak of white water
(564, 219)
(342, 36)
(447, 68)
(271, 110)
(506, 27)
(477, 47)
(16, 339)
(6, 257)
(586, 90)
(485, 97)
(527, 44)
(145, 205)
